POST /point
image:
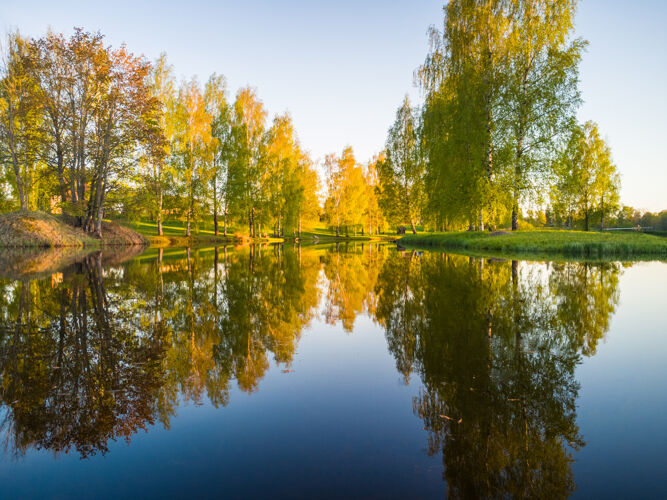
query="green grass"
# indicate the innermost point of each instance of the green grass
(569, 244)
(326, 235)
(172, 228)
(174, 234)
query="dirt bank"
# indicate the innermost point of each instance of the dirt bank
(42, 230)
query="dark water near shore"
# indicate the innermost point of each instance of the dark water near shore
(361, 371)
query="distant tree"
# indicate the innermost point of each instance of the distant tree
(346, 202)
(333, 208)
(281, 185)
(215, 97)
(354, 198)
(247, 155)
(374, 215)
(163, 88)
(308, 209)
(401, 173)
(195, 138)
(586, 180)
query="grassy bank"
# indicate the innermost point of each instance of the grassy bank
(173, 234)
(41, 230)
(204, 234)
(570, 244)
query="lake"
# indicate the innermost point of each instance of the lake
(360, 370)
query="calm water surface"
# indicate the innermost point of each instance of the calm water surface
(361, 371)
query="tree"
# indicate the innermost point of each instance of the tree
(501, 91)
(194, 142)
(125, 115)
(306, 207)
(215, 96)
(541, 94)
(19, 116)
(333, 207)
(163, 88)
(346, 202)
(281, 188)
(463, 77)
(374, 215)
(353, 199)
(245, 165)
(52, 70)
(586, 178)
(401, 173)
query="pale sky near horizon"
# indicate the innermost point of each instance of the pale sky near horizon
(341, 68)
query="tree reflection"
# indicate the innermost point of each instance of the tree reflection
(103, 349)
(496, 345)
(351, 271)
(74, 372)
(102, 352)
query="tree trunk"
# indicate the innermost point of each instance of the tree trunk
(24, 205)
(100, 211)
(517, 172)
(515, 216)
(159, 214)
(215, 200)
(299, 226)
(412, 225)
(480, 227)
(17, 174)
(225, 222)
(586, 220)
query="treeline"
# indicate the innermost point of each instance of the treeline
(497, 130)
(624, 218)
(94, 131)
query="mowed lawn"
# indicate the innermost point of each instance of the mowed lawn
(177, 228)
(171, 228)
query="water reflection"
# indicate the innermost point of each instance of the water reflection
(496, 345)
(77, 367)
(101, 350)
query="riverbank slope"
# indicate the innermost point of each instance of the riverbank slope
(41, 230)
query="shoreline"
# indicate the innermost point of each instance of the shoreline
(550, 245)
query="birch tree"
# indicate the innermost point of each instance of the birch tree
(196, 136)
(402, 171)
(587, 180)
(245, 167)
(541, 94)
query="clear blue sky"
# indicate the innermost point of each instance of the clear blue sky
(341, 67)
